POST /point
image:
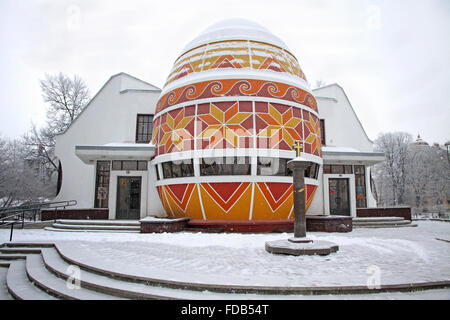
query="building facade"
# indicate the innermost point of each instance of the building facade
(213, 144)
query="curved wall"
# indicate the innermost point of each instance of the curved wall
(224, 128)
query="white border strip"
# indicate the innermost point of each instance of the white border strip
(238, 74)
(231, 178)
(238, 152)
(237, 99)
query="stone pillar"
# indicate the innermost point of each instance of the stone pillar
(298, 167)
(300, 244)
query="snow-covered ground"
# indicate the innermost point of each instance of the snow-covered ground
(398, 255)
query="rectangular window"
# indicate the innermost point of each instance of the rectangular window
(278, 167)
(336, 169)
(129, 165)
(313, 172)
(225, 166)
(144, 128)
(178, 169)
(272, 166)
(117, 165)
(322, 131)
(102, 184)
(360, 185)
(142, 165)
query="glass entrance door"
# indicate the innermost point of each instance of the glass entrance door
(128, 198)
(339, 196)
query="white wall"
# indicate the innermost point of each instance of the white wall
(342, 127)
(109, 117)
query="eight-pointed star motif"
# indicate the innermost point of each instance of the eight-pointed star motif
(314, 134)
(174, 131)
(224, 125)
(281, 126)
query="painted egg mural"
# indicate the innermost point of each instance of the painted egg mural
(234, 104)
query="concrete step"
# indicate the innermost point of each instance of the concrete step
(387, 223)
(50, 269)
(59, 287)
(377, 219)
(105, 284)
(50, 272)
(204, 230)
(20, 287)
(95, 227)
(9, 257)
(98, 281)
(28, 244)
(18, 250)
(381, 222)
(4, 294)
(386, 226)
(100, 222)
(90, 230)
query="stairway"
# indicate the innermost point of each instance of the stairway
(381, 222)
(40, 271)
(127, 226)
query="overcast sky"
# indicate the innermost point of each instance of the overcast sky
(391, 57)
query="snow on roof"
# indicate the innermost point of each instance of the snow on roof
(235, 29)
(338, 149)
(128, 82)
(128, 144)
(241, 74)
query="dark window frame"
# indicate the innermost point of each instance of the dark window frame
(360, 183)
(144, 137)
(102, 177)
(283, 171)
(226, 168)
(322, 131)
(170, 170)
(120, 166)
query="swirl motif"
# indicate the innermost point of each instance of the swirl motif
(217, 88)
(236, 87)
(245, 86)
(190, 91)
(274, 90)
(172, 97)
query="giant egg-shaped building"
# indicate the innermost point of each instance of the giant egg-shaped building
(234, 104)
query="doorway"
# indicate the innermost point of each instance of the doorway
(128, 198)
(339, 196)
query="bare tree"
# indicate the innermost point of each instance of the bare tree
(66, 98)
(395, 147)
(319, 83)
(413, 174)
(19, 180)
(428, 176)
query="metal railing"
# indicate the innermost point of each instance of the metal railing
(17, 215)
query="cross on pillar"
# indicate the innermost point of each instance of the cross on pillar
(298, 147)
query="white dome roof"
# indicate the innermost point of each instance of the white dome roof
(235, 29)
